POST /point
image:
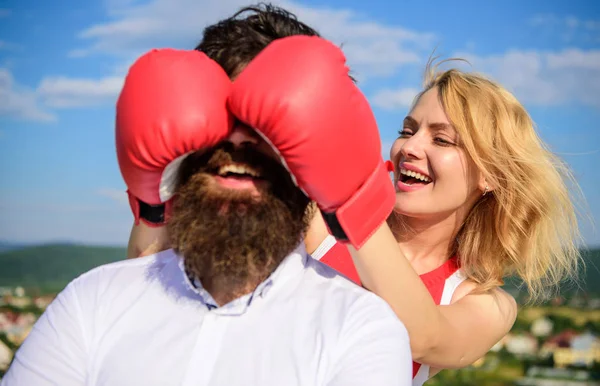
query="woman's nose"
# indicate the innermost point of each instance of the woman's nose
(413, 147)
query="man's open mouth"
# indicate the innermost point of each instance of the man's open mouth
(239, 171)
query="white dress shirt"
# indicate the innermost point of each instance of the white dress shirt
(141, 322)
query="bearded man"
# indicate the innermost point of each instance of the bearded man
(237, 300)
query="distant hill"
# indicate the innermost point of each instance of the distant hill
(591, 275)
(8, 246)
(51, 267)
(589, 279)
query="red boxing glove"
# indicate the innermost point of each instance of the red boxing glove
(298, 94)
(173, 102)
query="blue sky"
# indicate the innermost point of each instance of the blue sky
(62, 66)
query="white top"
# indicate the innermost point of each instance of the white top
(327, 243)
(141, 322)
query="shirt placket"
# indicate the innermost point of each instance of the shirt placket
(206, 351)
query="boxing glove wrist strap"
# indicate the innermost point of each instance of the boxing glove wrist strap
(334, 226)
(359, 217)
(154, 214)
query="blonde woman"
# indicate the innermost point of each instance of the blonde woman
(479, 197)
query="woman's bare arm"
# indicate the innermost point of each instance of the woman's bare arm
(145, 240)
(452, 336)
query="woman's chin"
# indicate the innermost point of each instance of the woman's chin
(405, 209)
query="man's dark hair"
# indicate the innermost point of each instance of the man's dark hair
(235, 41)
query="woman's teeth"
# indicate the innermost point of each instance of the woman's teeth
(416, 175)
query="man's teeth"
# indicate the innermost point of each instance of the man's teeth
(238, 169)
(416, 175)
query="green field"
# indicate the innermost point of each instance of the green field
(49, 268)
(588, 281)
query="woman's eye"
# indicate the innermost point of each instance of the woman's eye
(404, 133)
(443, 142)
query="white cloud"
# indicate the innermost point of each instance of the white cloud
(570, 76)
(569, 28)
(372, 49)
(63, 92)
(543, 20)
(564, 21)
(573, 59)
(120, 196)
(545, 78)
(20, 102)
(389, 99)
(36, 105)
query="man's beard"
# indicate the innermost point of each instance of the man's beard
(232, 238)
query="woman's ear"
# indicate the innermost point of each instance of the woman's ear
(485, 186)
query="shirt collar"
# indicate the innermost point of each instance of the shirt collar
(291, 265)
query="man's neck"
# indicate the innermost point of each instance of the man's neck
(224, 289)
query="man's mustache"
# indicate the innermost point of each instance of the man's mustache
(212, 160)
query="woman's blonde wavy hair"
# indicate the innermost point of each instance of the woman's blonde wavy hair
(527, 226)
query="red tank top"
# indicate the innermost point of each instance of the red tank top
(338, 257)
(435, 281)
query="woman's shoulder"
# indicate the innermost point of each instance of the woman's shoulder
(495, 299)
